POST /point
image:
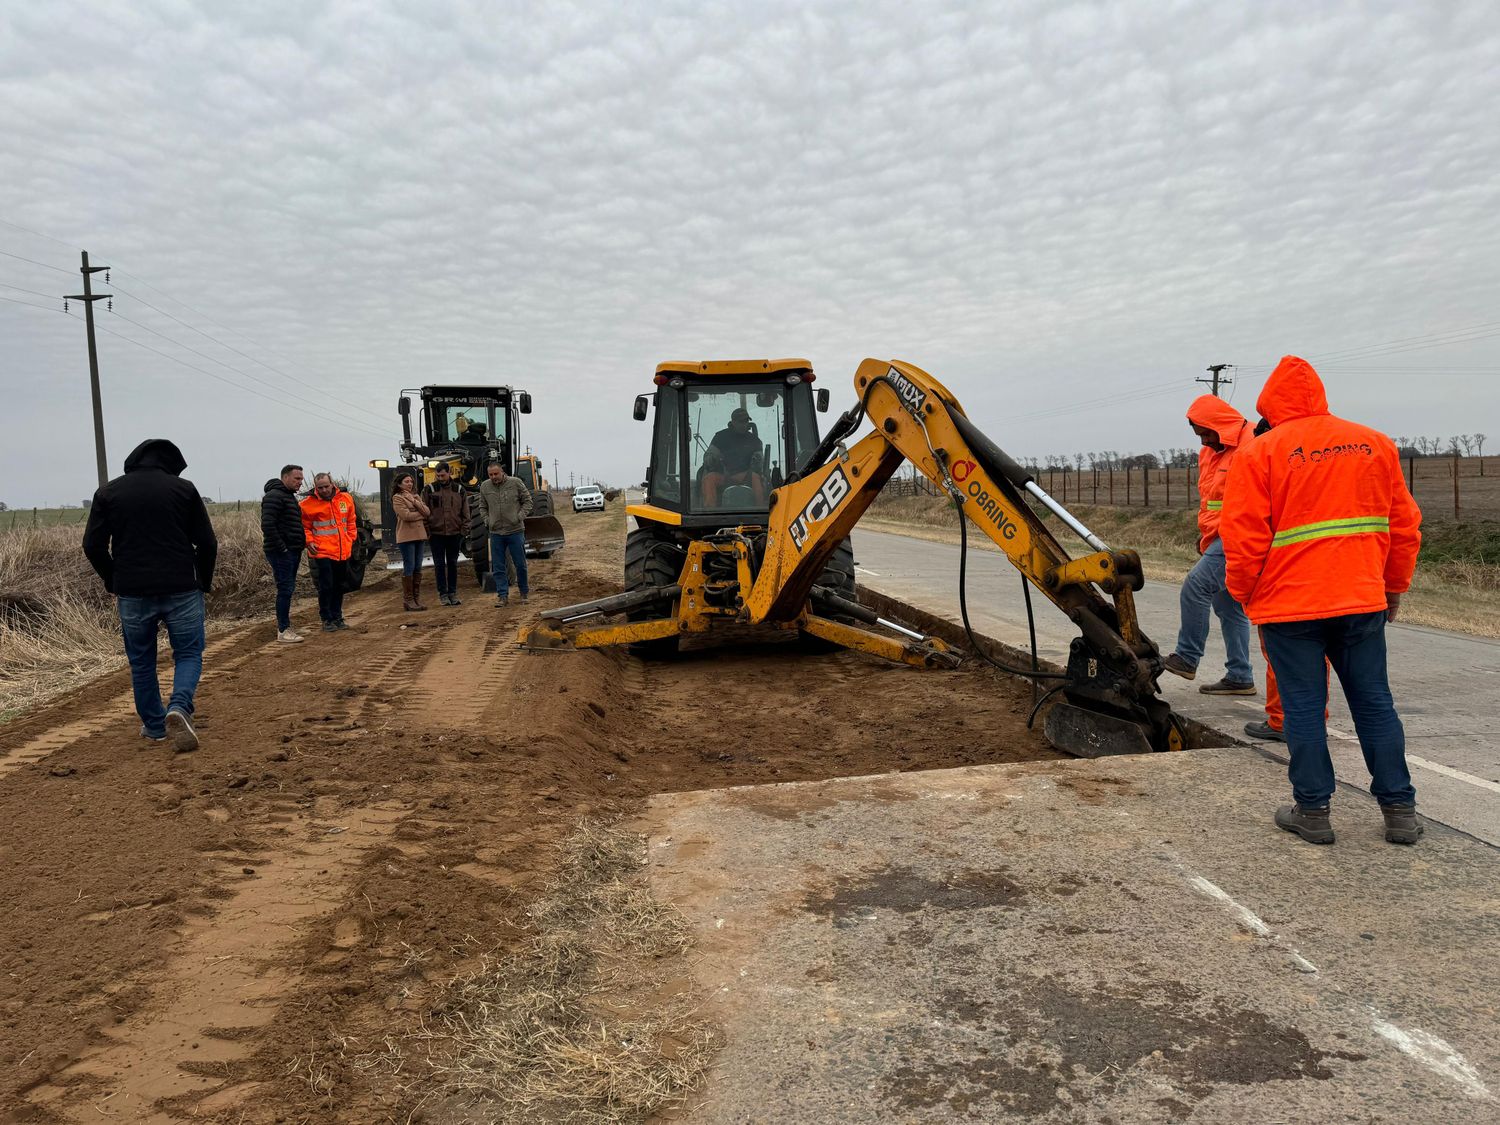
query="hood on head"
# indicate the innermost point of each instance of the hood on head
(1293, 391)
(156, 453)
(1213, 413)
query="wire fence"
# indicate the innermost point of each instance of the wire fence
(1445, 487)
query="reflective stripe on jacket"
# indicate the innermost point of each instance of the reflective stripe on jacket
(1213, 413)
(1317, 519)
(331, 526)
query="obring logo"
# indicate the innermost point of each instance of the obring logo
(820, 507)
(911, 395)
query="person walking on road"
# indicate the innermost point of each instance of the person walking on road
(449, 520)
(411, 537)
(505, 503)
(283, 539)
(150, 540)
(1222, 430)
(331, 525)
(1320, 538)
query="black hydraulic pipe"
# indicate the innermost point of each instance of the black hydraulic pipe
(995, 460)
(617, 603)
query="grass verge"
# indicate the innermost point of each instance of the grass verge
(1457, 584)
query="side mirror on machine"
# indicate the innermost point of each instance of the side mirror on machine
(642, 407)
(524, 398)
(822, 400)
(403, 407)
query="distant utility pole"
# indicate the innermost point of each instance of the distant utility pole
(1216, 371)
(88, 297)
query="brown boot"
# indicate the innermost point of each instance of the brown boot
(416, 592)
(408, 602)
(1401, 823)
(1311, 824)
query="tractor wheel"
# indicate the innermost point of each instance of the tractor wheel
(651, 561)
(838, 576)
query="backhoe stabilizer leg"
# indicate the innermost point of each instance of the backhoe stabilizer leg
(547, 636)
(929, 652)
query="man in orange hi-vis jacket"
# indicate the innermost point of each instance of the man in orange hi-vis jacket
(331, 524)
(1320, 541)
(1222, 430)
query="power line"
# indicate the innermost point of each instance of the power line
(39, 234)
(34, 262)
(33, 292)
(33, 304)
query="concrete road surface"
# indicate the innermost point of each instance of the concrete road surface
(1447, 685)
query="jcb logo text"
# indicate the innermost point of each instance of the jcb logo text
(820, 507)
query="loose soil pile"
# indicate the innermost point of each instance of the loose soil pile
(270, 929)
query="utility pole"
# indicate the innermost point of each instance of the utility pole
(88, 297)
(1218, 377)
(556, 479)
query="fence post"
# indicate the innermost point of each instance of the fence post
(1145, 485)
(1411, 475)
(33, 517)
(1169, 486)
(1455, 484)
(1111, 486)
(1096, 486)
(1127, 487)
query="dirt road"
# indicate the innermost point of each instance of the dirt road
(260, 931)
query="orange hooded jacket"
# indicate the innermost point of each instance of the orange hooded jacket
(1317, 521)
(331, 525)
(1213, 413)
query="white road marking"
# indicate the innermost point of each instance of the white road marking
(1457, 775)
(1343, 736)
(1247, 703)
(867, 570)
(1250, 920)
(1437, 1055)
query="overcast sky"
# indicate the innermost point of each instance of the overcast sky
(1063, 212)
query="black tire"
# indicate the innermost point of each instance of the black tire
(838, 576)
(651, 560)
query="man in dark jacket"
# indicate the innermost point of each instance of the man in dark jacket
(449, 504)
(150, 539)
(283, 538)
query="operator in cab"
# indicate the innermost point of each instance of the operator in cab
(734, 457)
(475, 433)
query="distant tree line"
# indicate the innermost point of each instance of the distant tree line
(1466, 445)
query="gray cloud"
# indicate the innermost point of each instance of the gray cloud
(1048, 207)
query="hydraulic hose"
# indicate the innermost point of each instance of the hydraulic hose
(1034, 673)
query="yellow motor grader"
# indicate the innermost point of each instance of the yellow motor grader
(747, 517)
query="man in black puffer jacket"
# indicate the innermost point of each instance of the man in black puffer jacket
(150, 539)
(284, 539)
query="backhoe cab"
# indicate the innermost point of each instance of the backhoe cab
(747, 518)
(467, 428)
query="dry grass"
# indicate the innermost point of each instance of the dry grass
(574, 1026)
(58, 626)
(1449, 592)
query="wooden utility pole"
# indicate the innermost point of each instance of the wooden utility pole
(1217, 376)
(88, 297)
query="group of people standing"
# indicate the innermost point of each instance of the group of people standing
(325, 524)
(1307, 528)
(439, 515)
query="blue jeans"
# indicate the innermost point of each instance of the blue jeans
(284, 567)
(411, 556)
(513, 544)
(140, 618)
(1204, 589)
(1355, 646)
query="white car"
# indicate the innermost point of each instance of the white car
(588, 499)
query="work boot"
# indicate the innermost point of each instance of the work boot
(501, 600)
(1401, 824)
(330, 626)
(1226, 686)
(184, 738)
(1264, 731)
(407, 602)
(1311, 824)
(341, 624)
(289, 636)
(1180, 667)
(416, 592)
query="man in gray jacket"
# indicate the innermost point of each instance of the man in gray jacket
(506, 503)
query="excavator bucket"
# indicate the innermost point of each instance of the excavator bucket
(1086, 732)
(544, 534)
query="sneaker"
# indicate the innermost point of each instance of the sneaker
(341, 624)
(330, 626)
(1180, 667)
(525, 597)
(1401, 824)
(502, 601)
(453, 599)
(1226, 686)
(1311, 824)
(184, 738)
(289, 637)
(1264, 731)
(152, 737)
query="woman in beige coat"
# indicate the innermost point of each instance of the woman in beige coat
(411, 537)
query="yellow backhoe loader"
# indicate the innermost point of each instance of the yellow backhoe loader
(747, 518)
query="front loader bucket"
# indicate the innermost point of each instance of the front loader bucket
(544, 534)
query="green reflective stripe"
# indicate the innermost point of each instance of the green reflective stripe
(1215, 505)
(1326, 529)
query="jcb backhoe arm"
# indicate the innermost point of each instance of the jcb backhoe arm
(1112, 667)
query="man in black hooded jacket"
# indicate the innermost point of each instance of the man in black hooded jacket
(150, 539)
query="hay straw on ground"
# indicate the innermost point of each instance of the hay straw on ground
(565, 1028)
